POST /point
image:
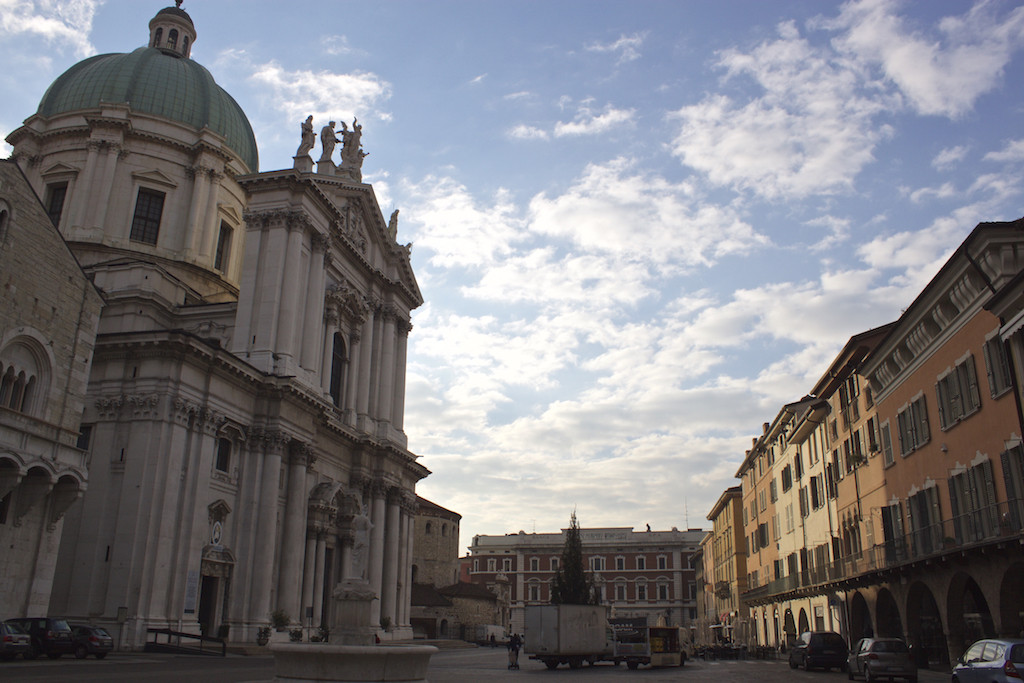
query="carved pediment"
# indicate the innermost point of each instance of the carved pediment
(154, 176)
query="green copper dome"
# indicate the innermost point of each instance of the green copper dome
(153, 82)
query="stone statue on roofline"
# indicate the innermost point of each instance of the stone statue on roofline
(308, 137)
(328, 140)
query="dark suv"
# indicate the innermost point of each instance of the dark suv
(819, 650)
(50, 637)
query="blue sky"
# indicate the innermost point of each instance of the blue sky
(640, 228)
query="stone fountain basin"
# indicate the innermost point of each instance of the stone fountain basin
(317, 663)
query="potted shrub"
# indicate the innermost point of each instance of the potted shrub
(280, 619)
(295, 635)
(263, 635)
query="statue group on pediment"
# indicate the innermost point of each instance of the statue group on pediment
(352, 153)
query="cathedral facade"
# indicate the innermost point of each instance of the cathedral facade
(245, 400)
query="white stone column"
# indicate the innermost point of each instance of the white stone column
(326, 364)
(365, 365)
(375, 573)
(308, 572)
(318, 577)
(290, 285)
(296, 505)
(106, 183)
(313, 320)
(266, 534)
(196, 211)
(389, 585)
(84, 188)
(211, 217)
(387, 368)
(355, 349)
(405, 561)
(398, 411)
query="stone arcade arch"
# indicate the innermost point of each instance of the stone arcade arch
(969, 617)
(803, 623)
(888, 623)
(860, 616)
(925, 626)
(1011, 601)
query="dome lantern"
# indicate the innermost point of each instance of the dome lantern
(171, 31)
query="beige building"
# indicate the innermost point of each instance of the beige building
(724, 562)
(48, 324)
(243, 420)
(905, 471)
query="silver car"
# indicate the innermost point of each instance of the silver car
(993, 660)
(878, 658)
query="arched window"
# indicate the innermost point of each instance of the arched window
(172, 39)
(444, 529)
(184, 46)
(339, 363)
(5, 218)
(157, 37)
(24, 376)
(428, 528)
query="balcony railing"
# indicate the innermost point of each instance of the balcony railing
(961, 533)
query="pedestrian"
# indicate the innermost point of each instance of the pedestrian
(514, 643)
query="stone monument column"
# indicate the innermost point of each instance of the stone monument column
(365, 363)
(318, 577)
(330, 328)
(308, 570)
(398, 411)
(387, 367)
(389, 585)
(312, 328)
(287, 315)
(266, 534)
(375, 572)
(300, 457)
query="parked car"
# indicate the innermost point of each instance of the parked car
(878, 658)
(13, 641)
(91, 640)
(991, 661)
(819, 650)
(49, 636)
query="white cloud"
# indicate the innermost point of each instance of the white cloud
(810, 131)
(1012, 152)
(941, 73)
(456, 228)
(587, 122)
(61, 23)
(326, 95)
(338, 45)
(613, 208)
(524, 132)
(627, 47)
(949, 157)
(944, 191)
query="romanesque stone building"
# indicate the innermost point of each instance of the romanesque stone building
(48, 326)
(247, 387)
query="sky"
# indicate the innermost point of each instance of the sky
(640, 228)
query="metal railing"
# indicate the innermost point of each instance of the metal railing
(976, 528)
(194, 644)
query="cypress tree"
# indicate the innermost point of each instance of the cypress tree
(572, 584)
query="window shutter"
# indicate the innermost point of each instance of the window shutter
(972, 384)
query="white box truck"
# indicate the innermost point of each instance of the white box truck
(567, 634)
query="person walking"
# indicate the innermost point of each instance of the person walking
(514, 645)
